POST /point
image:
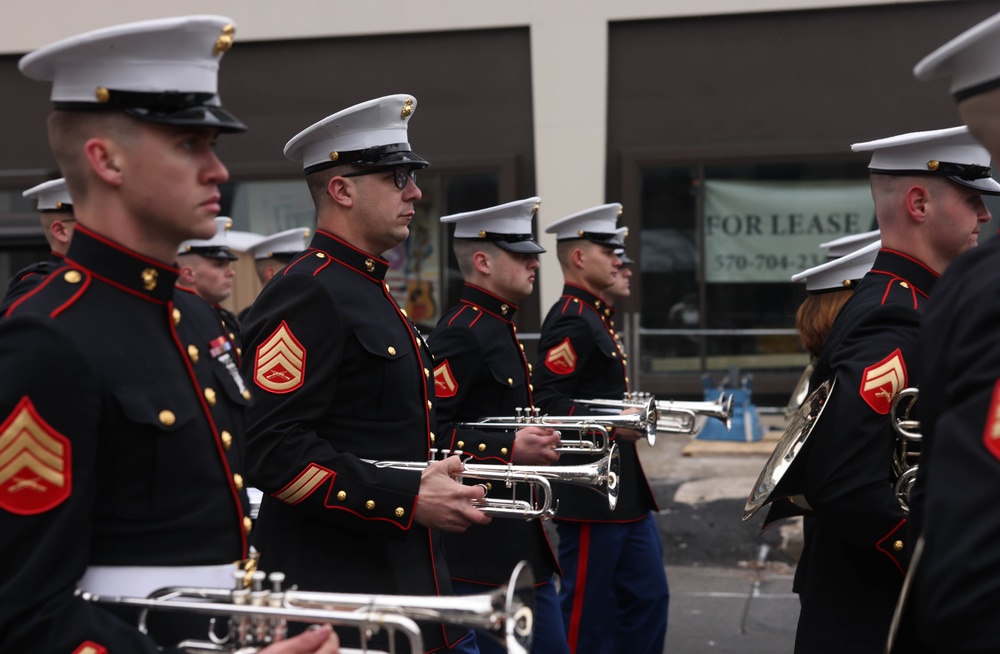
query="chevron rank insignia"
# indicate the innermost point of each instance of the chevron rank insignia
(90, 647)
(303, 486)
(35, 463)
(561, 359)
(444, 382)
(991, 435)
(882, 381)
(281, 362)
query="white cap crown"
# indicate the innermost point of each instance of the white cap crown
(51, 196)
(597, 224)
(841, 273)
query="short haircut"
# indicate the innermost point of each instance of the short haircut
(466, 249)
(70, 130)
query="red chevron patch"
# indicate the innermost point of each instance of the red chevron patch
(991, 435)
(35, 463)
(281, 362)
(882, 381)
(444, 382)
(561, 359)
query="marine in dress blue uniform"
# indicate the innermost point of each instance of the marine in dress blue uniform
(614, 591)
(952, 604)
(481, 371)
(858, 543)
(272, 253)
(125, 469)
(342, 376)
(55, 208)
(206, 271)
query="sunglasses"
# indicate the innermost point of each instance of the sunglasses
(400, 175)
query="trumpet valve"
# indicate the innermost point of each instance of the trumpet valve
(276, 579)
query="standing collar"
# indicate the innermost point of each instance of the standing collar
(486, 301)
(127, 269)
(585, 296)
(905, 267)
(367, 264)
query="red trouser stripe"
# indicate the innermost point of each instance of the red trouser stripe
(581, 586)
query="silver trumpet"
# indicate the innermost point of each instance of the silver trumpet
(594, 431)
(601, 476)
(256, 617)
(675, 417)
(906, 454)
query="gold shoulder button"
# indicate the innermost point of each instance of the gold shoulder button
(73, 276)
(167, 418)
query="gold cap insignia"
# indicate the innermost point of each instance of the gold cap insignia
(334, 155)
(482, 234)
(407, 108)
(102, 94)
(620, 213)
(149, 277)
(225, 41)
(579, 233)
(933, 164)
(534, 209)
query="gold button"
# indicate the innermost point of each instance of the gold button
(400, 512)
(232, 336)
(238, 481)
(432, 437)
(904, 284)
(475, 308)
(210, 396)
(167, 417)
(403, 311)
(460, 444)
(482, 447)
(430, 405)
(597, 303)
(575, 300)
(342, 495)
(387, 289)
(392, 351)
(193, 353)
(370, 504)
(239, 351)
(529, 368)
(320, 255)
(227, 440)
(427, 373)
(898, 545)
(177, 316)
(247, 524)
(614, 355)
(510, 381)
(626, 379)
(531, 387)
(73, 277)
(521, 346)
(246, 394)
(503, 451)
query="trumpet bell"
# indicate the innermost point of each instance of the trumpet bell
(800, 425)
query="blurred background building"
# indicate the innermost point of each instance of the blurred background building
(723, 126)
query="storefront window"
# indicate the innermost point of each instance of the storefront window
(718, 246)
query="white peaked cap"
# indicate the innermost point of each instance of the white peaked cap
(373, 133)
(216, 247)
(282, 245)
(597, 224)
(842, 273)
(970, 61)
(507, 225)
(164, 70)
(847, 244)
(951, 153)
(51, 196)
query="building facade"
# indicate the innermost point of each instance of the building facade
(723, 127)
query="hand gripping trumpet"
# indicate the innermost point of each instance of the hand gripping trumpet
(594, 431)
(601, 476)
(259, 617)
(674, 417)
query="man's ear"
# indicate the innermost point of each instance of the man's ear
(341, 191)
(917, 201)
(187, 275)
(59, 231)
(482, 262)
(105, 158)
(577, 256)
